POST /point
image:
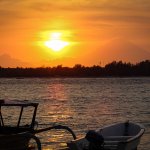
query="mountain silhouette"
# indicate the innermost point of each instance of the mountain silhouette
(7, 61)
(121, 49)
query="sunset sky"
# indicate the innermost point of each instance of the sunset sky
(36, 33)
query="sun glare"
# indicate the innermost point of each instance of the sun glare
(55, 42)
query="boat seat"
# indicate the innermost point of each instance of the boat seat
(117, 138)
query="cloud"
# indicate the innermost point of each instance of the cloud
(42, 6)
(8, 17)
(122, 11)
(15, 9)
(7, 61)
(90, 5)
(89, 19)
(119, 18)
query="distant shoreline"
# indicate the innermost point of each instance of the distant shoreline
(62, 77)
(113, 69)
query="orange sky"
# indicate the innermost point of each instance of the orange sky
(99, 31)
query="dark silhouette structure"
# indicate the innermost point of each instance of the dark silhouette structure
(113, 69)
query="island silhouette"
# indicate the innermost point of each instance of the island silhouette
(113, 69)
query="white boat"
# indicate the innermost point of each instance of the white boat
(120, 136)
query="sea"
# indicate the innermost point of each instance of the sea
(82, 104)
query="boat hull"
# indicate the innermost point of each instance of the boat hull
(120, 136)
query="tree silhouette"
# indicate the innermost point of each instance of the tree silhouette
(114, 69)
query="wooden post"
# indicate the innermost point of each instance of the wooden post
(20, 116)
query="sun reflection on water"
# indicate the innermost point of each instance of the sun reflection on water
(82, 104)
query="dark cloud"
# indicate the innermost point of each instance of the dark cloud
(90, 5)
(42, 6)
(135, 11)
(8, 16)
(119, 18)
(15, 9)
(9, 1)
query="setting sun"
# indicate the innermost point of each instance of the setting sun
(55, 42)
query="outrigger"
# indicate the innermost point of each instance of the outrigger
(17, 137)
(120, 136)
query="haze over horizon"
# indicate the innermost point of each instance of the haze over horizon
(86, 32)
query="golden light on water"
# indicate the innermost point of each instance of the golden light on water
(56, 43)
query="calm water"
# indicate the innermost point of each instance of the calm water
(82, 104)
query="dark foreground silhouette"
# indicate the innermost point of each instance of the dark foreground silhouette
(113, 69)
